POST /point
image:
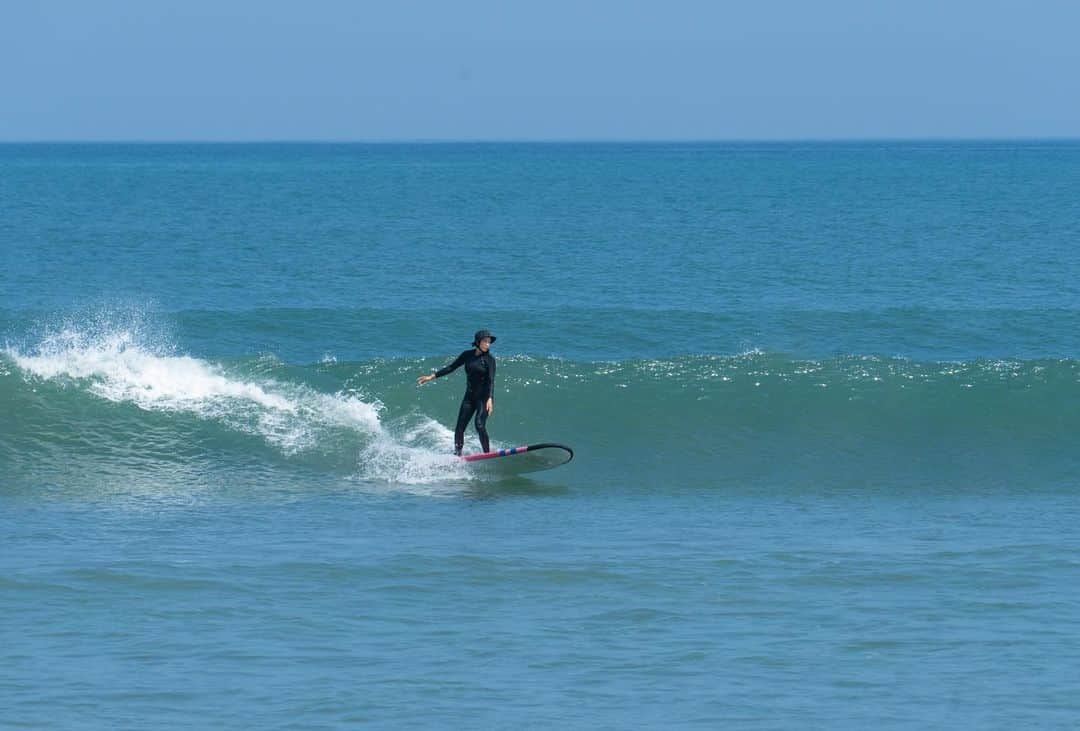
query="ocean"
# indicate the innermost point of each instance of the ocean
(823, 399)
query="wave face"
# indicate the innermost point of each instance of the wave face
(111, 401)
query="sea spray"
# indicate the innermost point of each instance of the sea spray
(293, 417)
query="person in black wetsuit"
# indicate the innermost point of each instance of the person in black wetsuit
(479, 388)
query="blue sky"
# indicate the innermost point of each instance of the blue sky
(552, 70)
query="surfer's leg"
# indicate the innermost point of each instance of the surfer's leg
(481, 424)
(464, 414)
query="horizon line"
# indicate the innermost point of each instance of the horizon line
(529, 140)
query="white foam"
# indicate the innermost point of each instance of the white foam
(124, 371)
(291, 417)
(420, 456)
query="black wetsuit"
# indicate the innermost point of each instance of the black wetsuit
(480, 386)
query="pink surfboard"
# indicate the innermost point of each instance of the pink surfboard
(519, 460)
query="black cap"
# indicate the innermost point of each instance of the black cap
(480, 335)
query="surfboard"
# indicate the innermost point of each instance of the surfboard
(521, 460)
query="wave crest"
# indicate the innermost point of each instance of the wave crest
(293, 417)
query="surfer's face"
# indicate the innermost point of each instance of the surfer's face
(484, 344)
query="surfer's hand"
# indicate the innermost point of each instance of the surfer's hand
(424, 379)
(490, 406)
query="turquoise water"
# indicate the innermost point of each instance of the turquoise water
(822, 399)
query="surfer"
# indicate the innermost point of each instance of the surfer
(479, 388)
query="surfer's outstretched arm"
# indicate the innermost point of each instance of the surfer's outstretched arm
(443, 371)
